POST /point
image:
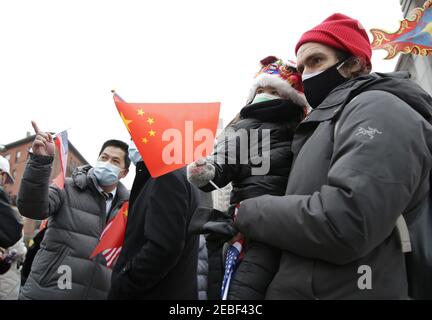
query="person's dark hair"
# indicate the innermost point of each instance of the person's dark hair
(118, 144)
(342, 55)
(352, 61)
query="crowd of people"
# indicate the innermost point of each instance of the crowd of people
(349, 164)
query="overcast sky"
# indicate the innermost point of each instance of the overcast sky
(60, 59)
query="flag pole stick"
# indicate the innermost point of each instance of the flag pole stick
(56, 134)
(116, 94)
(214, 185)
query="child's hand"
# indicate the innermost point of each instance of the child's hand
(200, 172)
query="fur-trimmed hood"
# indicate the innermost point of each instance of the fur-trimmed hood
(285, 90)
(282, 76)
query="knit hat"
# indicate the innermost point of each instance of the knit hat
(340, 32)
(283, 76)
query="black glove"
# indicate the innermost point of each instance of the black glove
(6, 262)
(4, 266)
(215, 223)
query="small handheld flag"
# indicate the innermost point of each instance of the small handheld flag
(62, 148)
(112, 237)
(170, 135)
(231, 263)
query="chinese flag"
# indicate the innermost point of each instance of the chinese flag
(170, 135)
(111, 239)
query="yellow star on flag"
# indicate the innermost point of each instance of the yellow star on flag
(126, 121)
(150, 121)
(152, 133)
(144, 140)
(140, 112)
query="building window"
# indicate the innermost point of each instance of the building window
(18, 156)
(14, 173)
(8, 156)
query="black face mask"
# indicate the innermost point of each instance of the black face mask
(317, 88)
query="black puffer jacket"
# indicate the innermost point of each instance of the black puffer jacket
(255, 173)
(10, 226)
(280, 118)
(159, 259)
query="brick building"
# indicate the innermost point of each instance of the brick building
(17, 153)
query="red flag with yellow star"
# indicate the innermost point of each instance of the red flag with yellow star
(170, 135)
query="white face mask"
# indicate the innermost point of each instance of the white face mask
(311, 75)
(106, 173)
(261, 97)
(314, 74)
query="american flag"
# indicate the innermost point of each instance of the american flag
(112, 237)
(110, 254)
(234, 255)
(231, 263)
(61, 143)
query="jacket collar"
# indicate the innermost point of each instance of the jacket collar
(273, 110)
(344, 93)
(333, 102)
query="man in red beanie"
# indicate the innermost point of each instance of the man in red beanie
(362, 161)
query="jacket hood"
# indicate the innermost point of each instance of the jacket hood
(396, 83)
(79, 176)
(284, 88)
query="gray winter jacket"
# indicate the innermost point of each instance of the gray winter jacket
(346, 189)
(202, 270)
(76, 219)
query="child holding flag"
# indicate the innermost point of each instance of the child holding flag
(275, 107)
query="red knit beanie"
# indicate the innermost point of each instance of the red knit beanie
(340, 32)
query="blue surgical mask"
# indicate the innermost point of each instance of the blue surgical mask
(134, 154)
(106, 173)
(261, 97)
